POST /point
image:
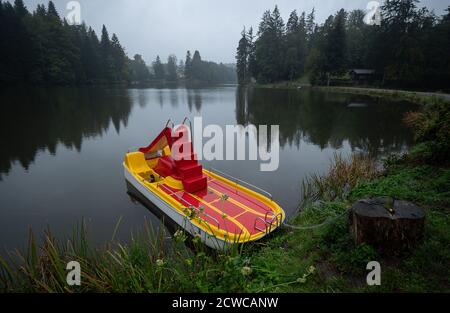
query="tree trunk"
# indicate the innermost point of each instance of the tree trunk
(390, 226)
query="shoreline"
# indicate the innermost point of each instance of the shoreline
(417, 97)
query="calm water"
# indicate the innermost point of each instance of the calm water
(62, 149)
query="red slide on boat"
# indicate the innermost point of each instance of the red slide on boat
(182, 164)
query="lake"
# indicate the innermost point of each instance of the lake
(62, 148)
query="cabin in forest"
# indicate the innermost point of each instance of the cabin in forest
(361, 76)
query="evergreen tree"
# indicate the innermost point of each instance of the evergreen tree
(311, 23)
(403, 56)
(188, 65)
(242, 59)
(139, 70)
(270, 46)
(296, 46)
(292, 26)
(42, 48)
(108, 68)
(158, 68)
(208, 72)
(252, 65)
(52, 10)
(336, 44)
(172, 68)
(20, 9)
(357, 32)
(197, 66)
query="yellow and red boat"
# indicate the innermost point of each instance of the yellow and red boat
(218, 209)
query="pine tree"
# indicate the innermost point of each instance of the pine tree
(139, 70)
(120, 60)
(172, 68)
(188, 65)
(252, 65)
(158, 68)
(107, 61)
(269, 47)
(336, 45)
(52, 10)
(292, 25)
(20, 9)
(197, 66)
(310, 22)
(242, 59)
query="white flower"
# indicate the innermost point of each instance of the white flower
(246, 270)
(160, 262)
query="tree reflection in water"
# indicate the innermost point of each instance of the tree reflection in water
(326, 119)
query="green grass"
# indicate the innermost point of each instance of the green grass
(390, 94)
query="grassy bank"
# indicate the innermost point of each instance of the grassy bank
(417, 97)
(309, 259)
(314, 254)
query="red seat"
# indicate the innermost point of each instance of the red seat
(166, 167)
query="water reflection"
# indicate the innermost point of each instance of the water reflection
(194, 97)
(40, 119)
(326, 119)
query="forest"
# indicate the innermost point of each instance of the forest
(42, 48)
(408, 49)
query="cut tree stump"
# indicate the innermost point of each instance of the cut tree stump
(388, 225)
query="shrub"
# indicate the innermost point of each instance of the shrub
(432, 131)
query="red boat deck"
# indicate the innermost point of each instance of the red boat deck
(236, 214)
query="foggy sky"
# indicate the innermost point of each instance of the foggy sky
(151, 27)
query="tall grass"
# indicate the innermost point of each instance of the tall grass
(342, 176)
(149, 263)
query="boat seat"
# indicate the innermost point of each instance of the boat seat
(136, 162)
(166, 167)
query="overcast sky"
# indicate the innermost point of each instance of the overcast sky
(151, 27)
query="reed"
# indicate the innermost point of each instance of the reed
(149, 263)
(342, 176)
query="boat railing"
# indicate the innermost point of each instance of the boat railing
(197, 210)
(276, 219)
(190, 128)
(236, 180)
(169, 121)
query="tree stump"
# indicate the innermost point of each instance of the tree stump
(389, 225)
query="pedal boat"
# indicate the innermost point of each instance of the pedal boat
(206, 203)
